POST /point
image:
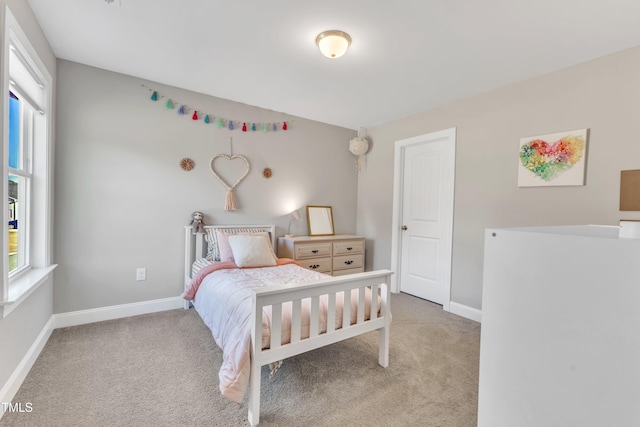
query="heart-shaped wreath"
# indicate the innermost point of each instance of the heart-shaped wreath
(229, 204)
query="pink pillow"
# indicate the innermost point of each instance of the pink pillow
(226, 254)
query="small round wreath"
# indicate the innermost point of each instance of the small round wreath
(186, 164)
(267, 173)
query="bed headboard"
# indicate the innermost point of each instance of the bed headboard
(196, 245)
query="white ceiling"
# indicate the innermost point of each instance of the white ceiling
(406, 56)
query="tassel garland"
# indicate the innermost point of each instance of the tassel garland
(221, 122)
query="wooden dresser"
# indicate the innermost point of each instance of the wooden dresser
(334, 255)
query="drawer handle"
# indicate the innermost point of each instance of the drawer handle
(349, 249)
(348, 262)
(315, 251)
(314, 266)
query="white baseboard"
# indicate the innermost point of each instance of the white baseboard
(465, 311)
(81, 317)
(14, 382)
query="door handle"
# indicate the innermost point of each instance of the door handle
(404, 227)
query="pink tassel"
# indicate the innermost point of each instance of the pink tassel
(230, 203)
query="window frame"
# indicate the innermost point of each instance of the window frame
(32, 83)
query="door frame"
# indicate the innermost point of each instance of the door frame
(398, 174)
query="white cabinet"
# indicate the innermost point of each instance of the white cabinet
(336, 255)
(560, 340)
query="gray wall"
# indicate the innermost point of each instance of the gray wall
(122, 199)
(21, 327)
(602, 95)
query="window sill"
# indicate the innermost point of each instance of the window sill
(23, 286)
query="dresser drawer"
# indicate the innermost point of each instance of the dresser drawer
(348, 247)
(322, 265)
(348, 271)
(348, 261)
(313, 250)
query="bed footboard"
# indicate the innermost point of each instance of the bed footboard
(377, 282)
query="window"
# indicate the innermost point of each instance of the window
(27, 167)
(19, 182)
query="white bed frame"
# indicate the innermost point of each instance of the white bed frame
(377, 281)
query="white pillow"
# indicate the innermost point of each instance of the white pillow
(252, 251)
(224, 249)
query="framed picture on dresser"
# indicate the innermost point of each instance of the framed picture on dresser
(320, 220)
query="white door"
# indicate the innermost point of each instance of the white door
(425, 215)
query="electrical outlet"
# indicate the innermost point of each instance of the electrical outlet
(141, 274)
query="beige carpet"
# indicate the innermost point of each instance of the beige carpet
(162, 370)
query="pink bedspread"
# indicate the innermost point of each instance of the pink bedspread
(190, 293)
(221, 294)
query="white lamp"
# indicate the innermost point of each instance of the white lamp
(295, 215)
(333, 43)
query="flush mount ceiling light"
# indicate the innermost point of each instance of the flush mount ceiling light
(333, 43)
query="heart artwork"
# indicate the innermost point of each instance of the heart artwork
(227, 157)
(549, 160)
